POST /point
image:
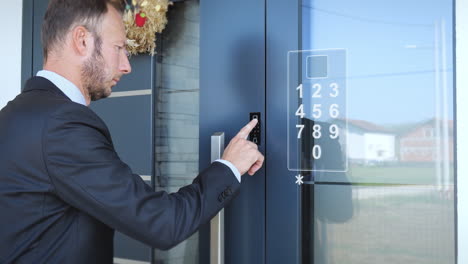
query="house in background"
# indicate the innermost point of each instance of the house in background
(427, 141)
(368, 143)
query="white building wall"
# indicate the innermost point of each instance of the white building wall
(355, 146)
(379, 147)
(366, 147)
(10, 68)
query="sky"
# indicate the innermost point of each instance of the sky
(395, 69)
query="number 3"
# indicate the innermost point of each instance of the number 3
(334, 86)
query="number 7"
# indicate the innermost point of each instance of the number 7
(301, 127)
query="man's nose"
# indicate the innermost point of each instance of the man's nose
(125, 66)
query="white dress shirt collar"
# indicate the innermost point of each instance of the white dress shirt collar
(67, 87)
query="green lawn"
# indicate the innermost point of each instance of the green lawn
(421, 175)
(385, 230)
(416, 225)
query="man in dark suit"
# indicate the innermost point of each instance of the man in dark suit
(63, 189)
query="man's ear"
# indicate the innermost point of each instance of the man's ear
(81, 41)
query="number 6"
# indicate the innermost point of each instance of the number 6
(334, 112)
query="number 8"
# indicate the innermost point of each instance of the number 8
(317, 133)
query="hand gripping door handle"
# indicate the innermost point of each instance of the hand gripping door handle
(217, 223)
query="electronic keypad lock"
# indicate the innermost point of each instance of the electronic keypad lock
(254, 135)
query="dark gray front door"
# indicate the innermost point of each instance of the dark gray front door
(232, 83)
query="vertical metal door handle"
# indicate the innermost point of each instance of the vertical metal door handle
(217, 223)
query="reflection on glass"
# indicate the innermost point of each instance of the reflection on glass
(177, 121)
(398, 86)
(396, 137)
(408, 224)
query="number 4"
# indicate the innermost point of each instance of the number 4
(300, 111)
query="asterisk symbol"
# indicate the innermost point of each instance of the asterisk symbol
(299, 179)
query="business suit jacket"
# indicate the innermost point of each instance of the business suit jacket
(63, 189)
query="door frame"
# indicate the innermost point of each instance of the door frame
(283, 205)
(461, 127)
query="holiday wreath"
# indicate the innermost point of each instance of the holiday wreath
(143, 19)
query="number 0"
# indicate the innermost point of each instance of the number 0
(316, 152)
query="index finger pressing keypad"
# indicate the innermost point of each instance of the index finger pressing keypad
(254, 135)
(244, 132)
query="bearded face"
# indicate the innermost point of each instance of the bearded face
(95, 78)
(108, 61)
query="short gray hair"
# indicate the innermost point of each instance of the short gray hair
(62, 15)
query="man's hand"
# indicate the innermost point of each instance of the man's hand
(243, 154)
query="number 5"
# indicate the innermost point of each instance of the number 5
(317, 112)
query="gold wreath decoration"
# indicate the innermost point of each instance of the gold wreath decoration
(143, 19)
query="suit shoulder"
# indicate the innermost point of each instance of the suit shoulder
(76, 116)
(73, 110)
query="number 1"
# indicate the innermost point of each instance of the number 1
(300, 90)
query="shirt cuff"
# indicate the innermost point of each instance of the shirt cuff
(232, 167)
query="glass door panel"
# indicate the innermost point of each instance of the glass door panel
(177, 115)
(370, 112)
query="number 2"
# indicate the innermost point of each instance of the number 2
(318, 88)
